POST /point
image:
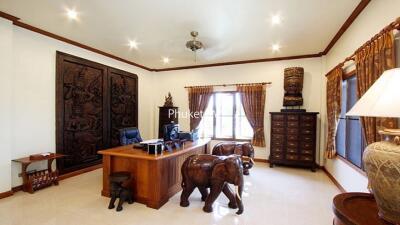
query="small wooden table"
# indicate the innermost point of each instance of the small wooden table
(356, 208)
(155, 178)
(36, 180)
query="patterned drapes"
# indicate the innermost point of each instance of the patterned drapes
(253, 100)
(198, 101)
(371, 61)
(333, 105)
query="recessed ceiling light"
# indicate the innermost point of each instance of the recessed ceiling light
(165, 60)
(276, 19)
(276, 47)
(133, 44)
(72, 14)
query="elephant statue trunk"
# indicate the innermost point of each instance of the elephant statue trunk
(238, 195)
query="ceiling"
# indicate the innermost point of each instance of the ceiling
(231, 30)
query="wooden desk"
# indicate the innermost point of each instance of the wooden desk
(154, 178)
(356, 209)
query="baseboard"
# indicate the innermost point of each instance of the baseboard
(261, 160)
(334, 181)
(17, 188)
(6, 194)
(81, 171)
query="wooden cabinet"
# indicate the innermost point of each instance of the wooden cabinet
(293, 139)
(93, 101)
(166, 116)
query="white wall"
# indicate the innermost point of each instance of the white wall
(27, 89)
(32, 98)
(6, 82)
(175, 81)
(375, 16)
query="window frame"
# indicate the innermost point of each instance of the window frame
(214, 108)
(344, 158)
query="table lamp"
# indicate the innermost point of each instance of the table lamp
(382, 159)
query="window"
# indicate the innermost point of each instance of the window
(224, 118)
(349, 137)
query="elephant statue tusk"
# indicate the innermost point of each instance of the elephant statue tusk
(237, 192)
(252, 160)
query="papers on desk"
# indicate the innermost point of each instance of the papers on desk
(151, 141)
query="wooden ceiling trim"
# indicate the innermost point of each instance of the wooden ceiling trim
(69, 41)
(8, 16)
(241, 62)
(357, 11)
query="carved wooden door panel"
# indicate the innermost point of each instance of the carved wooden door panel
(123, 102)
(81, 109)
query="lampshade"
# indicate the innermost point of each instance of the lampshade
(382, 99)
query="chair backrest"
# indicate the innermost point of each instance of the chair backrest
(129, 135)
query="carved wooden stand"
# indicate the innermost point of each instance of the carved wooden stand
(36, 180)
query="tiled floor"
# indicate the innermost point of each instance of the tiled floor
(278, 196)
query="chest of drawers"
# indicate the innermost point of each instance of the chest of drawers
(293, 139)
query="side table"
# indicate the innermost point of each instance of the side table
(36, 180)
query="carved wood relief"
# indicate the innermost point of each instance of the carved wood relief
(93, 101)
(123, 103)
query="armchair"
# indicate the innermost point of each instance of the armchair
(129, 135)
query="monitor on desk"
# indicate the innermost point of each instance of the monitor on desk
(171, 132)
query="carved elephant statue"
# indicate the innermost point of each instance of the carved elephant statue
(214, 172)
(244, 149)
(118, 190)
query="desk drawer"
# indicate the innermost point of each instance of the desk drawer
(278, 123)
(276, 156)
(278, 117)
(292, 117)
(292, 144)
(292, 157)
(307, 130)
(293, 124)
(278, 130)
(291, 137)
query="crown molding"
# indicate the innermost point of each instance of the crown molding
(357, 11)
(360, 7)
(241, 62)
(8, 16)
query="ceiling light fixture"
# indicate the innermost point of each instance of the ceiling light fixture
(133, 44)
(276, 19)
(72, 14)
(276, 47)
(165, 60)
(194, 44)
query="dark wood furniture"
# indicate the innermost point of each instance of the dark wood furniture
(155, 178)
(35, 180)
(356, 209)
(165, 117)
(93, 102)
(118, 189)
(293, 139)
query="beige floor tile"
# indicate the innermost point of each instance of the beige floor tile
(278, 196)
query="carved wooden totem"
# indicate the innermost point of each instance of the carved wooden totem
(293, 86)
(93, 101)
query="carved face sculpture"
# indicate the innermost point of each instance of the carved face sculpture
(293, 86)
